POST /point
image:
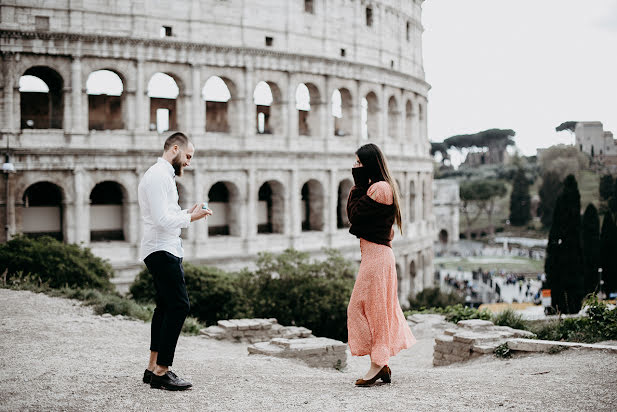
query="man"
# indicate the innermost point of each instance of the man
(161, 250)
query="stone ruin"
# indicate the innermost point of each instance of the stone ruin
(316, 352)
(271, 339)
(254, 330)
(472, 338)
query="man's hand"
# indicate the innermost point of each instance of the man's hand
(192, 209)
(198, 213)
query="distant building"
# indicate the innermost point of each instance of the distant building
(446, 202)
(592, 139)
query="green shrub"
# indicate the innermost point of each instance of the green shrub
(503, 351)
(191, 326)
(510, 318)
(213, 293)
(434, 298)
(599, 324)
(455, 313)
(288, 287)
(56, 264)
(306, 293)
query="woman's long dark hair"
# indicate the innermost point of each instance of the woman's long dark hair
(374, 162)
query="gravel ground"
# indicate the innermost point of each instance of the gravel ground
(58, 355)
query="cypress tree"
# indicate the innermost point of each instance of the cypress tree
(564, 261)
(520, 201)
(606, 187)
(551, 186)
(591, 248)
(608, 254)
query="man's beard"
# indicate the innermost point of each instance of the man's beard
(177, 165)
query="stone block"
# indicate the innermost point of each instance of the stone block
(484, 349)
(475, 324)
(437, 355)
(476, 337)
(227, 324)
(444, 339)
(443, 348)
(461, 352)
(537, 345)
(454, 358)
(441, 362)
(282, 342)
(450, 332)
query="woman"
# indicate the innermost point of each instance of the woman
(375, 322)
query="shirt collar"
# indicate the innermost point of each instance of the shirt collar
(168, 165)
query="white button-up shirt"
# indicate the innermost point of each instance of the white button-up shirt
(162, 217)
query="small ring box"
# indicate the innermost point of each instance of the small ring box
(205, 206)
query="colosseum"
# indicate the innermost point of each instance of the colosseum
(275, 94)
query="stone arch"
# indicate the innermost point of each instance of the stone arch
(394, 116)
(344, 187)
(224, 200)
(43, 210)
(342, 110)
(443, 236)
(108, 212)
(271, 207)
(308, 102)
(222, 105)
(268, 108)
(370, 116)
(425, 199)
(313, 201)
(409, 121)
(412, 201)
(163, 91)
(106, 106)
(40, 108)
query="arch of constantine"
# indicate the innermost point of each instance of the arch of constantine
(275, 94)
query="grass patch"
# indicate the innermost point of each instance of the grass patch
(510, 318)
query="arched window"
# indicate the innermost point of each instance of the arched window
(223, 199)
(370, 114)
(217, 97)
(163, 92)
(409, 121)
(312, 206)
(342, 112)
(412, 202)
(41, 99)
(105, 110)
(43, 210)
(344, 187)
(262, 96)
(393, 118)
(107, 212)
(271, 208)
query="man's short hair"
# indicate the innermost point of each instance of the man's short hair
(176, 139)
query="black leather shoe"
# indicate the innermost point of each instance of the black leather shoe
(147, 376)
(169, 381)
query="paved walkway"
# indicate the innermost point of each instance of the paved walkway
(58, 355)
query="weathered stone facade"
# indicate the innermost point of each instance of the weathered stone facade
(276, 176)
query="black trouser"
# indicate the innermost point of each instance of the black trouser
(172, 304)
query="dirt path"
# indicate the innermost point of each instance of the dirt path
(58, 355)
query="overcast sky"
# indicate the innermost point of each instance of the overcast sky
(526, 65)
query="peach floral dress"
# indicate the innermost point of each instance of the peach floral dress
(376, 325)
